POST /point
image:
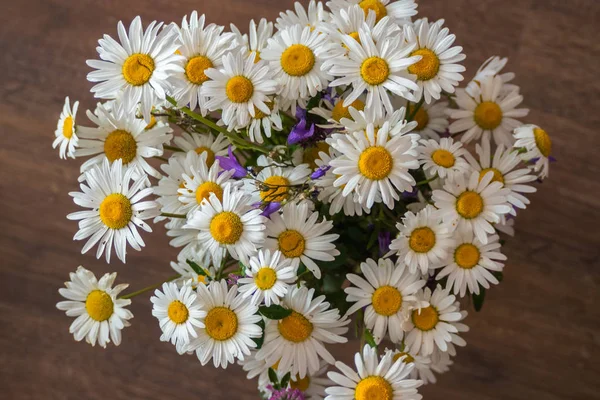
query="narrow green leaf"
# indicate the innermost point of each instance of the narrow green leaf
(499, 275)
(478, 299)
(260, 340)
(197, 269)
(274, 311)
(369, 338)
(285, 380)
(273, 378)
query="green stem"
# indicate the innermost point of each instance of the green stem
(146, 289)
(414, 112)
(426, 181)
(182, 216)
(161, 158)
(302, 274)
(172, 148)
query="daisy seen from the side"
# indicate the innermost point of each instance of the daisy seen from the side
(66, 130)
(310, 17)
(422, 369)
(256, 40)
(399, 11)
(432, 120)
(203, 143)
(537, 145)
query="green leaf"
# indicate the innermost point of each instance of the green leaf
(274, 311)
(285, 380)
(273, 378)
(369, 338)
(478, 299)
(499, 275)
(260, 340)
(197, 269)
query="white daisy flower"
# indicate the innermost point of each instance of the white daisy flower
(268, 278)
(441, 360)
(503, 164)
(201, 48)
(372, 163)
(66, 131)
(492, 67)
(377, 68)
(472, 262)
(296, 56)
(203, 143)
(313, 385)
(187, 239)
(119, 135)
(231, 323)
(238, 89)
(299, 237)
(347, 21)
(259, 368)
(443, 158)
(136, 70)
(273, 183)
(116, 210)
(537, 145)
(424, 241)
(360, 120)
(169, 185)
(431, 119)
(179, 313)
(100, 314)
(312, 17)
(422, 369)
(265, 123)
(477, 203)
(259, 35)
(231, 225)
(296, 341)
(487, 114)
(399, 11)
(438, 69)
(434, 325)
(373, 379)
(388, 293)
(188, 274)
(333, 111)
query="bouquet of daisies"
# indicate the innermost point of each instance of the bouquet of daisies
(323, 178)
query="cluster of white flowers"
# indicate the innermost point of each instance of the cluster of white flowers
(311, 171)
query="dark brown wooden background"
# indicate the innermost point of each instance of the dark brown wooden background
(537, 337)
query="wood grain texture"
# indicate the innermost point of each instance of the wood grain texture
(537, 337)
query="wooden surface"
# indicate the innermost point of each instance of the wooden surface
(537, 337)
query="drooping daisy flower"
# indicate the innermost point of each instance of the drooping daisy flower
(443, 158)
(203, 143)
(313, 385)
(375, 162)
(431, 119)
(296, 341)
(487, 114)
(432, 326)
(258, 38)
(273, 183)
(169, 185)
(296, 56)
(476, 203)
(424, 241)
(399, 11)
(65, 132)
(360, 120)
(201, 48)
(239, 88)
(422, 369)
(377, 68)
(100, 314)
(265, 123)
(268, 278)
(347, 21)
(438, 69)
(491, 67)
(388, 293)
(189, 274)
(311, 17)
(333, 111)
(231, 225)
(231, 323)
(119, 135)
(179, 313)
(136, 70)
(116, 209)
(299, 237)
(537, 145)
(472, 262)
(373, 379)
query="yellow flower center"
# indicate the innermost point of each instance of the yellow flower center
(498, 177)
(68, 127)
(467, 255)
(202, 278)
(374, 388)
(374, 70)
(427, 319)
(204, 191)
(297, 60)
(422, 119)
(339, 111)
(210, 155)
(376, 5)
(295, 327)
(427, 67)
(152, 123)
(311, 154)
(99, 305)
(195, 68)
(375, 163)
(221, 323)
(301, 384)
(488, 115)
(443, 158)
(239, 89)
(291, 243)
(265, 278)
(407, 357)
(469, 204)
(259, 114)
(226, 227)
(422, 240)
(386, 300)
(276, 188)
(256, 56)
(178, 312)
(137, 69)
(542, 141)
(115, 211)
(121, 145)
(354, 35)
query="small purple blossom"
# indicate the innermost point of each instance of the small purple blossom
(232, 279)
(272, 207)
(300, 132)
(330, 95)
(231, 163)
(320, 172)
(384, 239)
(286, 394)
(412, 194)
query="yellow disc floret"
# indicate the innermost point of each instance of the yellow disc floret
(120, 144)
(386, 300)
(374, 5)
(443, 158)
(265, 278)
(195, 68)
(542, 141)
(375, 163)
(210, 155)
(339, 111)
(275, 188)
(469, 204)
(498, 177)
(239, 89)
(291, 243)
(297, 60)
(137, 69)
(115, 211)
(488, 115)
(221, 323)
(178, 312)
(427, 67)
(427, 319)
(99, 305)
(204, 190)
(421, 240)
(295, 327)
(374, 388)
(467, 255)
(374, 70)
(226, 227)
(67, 130)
